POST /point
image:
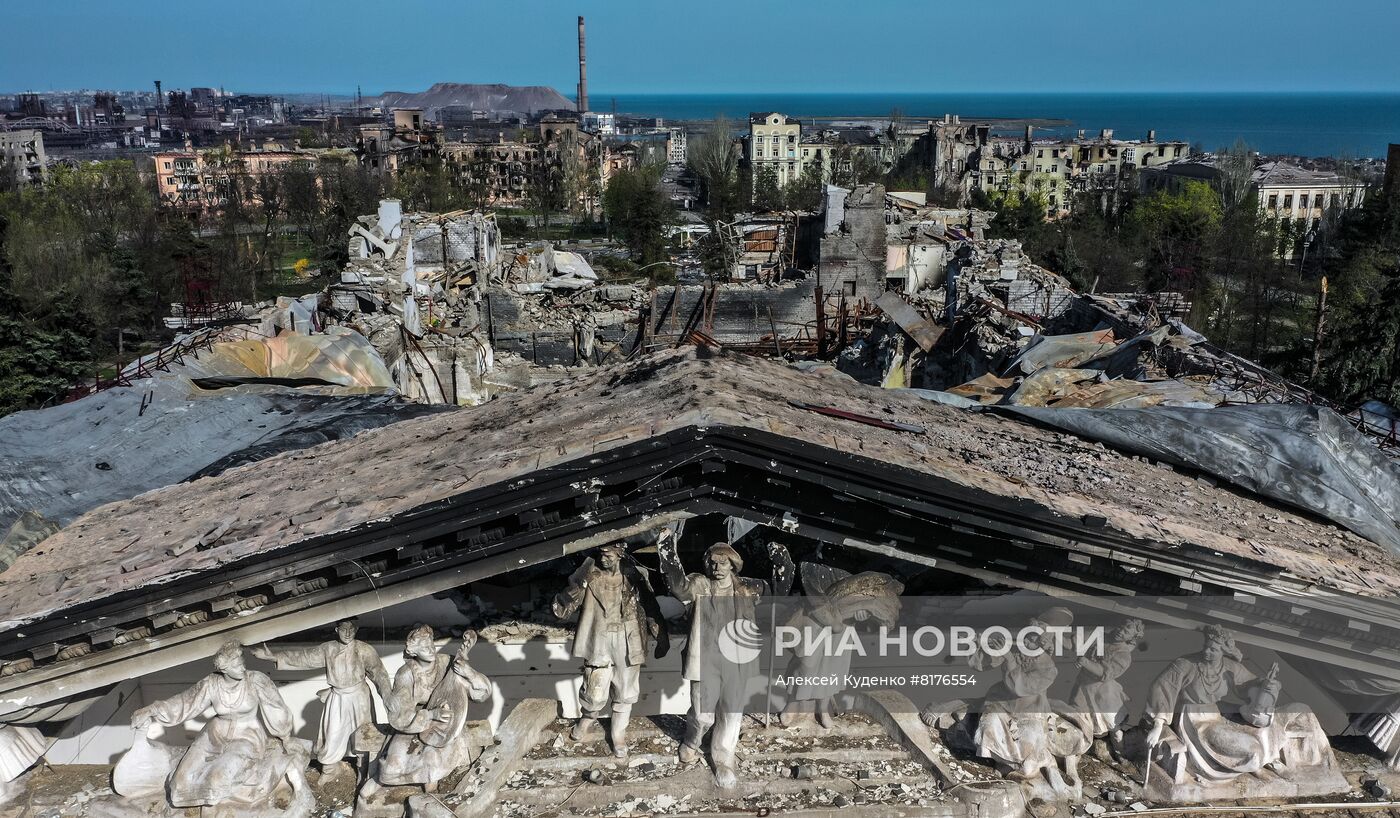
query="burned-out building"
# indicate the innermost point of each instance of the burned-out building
(22, 155)
(460, 433)
(966, 156)
(503, 171)
(468, 518)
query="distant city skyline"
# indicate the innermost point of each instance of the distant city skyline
(721, 46)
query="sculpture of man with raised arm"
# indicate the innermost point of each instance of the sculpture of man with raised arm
(723, 604)
(351, 666)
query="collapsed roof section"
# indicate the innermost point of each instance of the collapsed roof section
(216, 397)
(673, 432)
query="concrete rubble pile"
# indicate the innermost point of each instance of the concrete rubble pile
(1021, 335)
(1015, 339)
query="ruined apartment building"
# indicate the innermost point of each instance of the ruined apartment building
(385, 147)
(22, 153)
(503, 169)
(967, 156)
(194, 180)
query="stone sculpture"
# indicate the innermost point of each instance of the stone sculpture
(718, 663)
(617, 616)
(1259, 749)
(351, 666)
(1098, 698)
(1019, 727)
(20, 748)
(432, 734)
(836, 600)
(240, 760)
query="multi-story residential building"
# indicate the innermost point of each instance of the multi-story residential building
(204, 181)
(385, 147)
(773, 142)
(22, 154)
(676, 152)
(776, 142)
(969, 156)
(502, 171)
(834, 151)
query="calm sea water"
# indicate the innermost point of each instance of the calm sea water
(1356, 125)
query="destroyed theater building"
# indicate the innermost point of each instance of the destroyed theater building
(477, 512)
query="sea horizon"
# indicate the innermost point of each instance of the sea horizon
(1357, 124)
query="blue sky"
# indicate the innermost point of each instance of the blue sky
(648, 46)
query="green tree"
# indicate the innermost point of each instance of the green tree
(426, 186)
(1362, 358)
(766, 195)
(545, 188)
(77, 239)
(852, 166)
(805, 192)
(714, 161)
(639, 212)
(308, 138)
(40, 360)
(1174, 229)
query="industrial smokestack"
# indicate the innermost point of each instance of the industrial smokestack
(582, 71)
(160, 103)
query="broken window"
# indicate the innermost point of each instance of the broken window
(1288, 201)
(1303, 201)
(1273, 201)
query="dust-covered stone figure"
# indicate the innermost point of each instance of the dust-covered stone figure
(617, 616)
(1206, 751)
(245, 751)
(432, 735)
(718, 663)
(351, 666)
(1098, 700)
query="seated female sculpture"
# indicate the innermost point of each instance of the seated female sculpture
(244, 752)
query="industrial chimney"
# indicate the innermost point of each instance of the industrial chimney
(582, 71)
(160, 103)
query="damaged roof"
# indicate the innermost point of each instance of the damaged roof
(196, 527)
